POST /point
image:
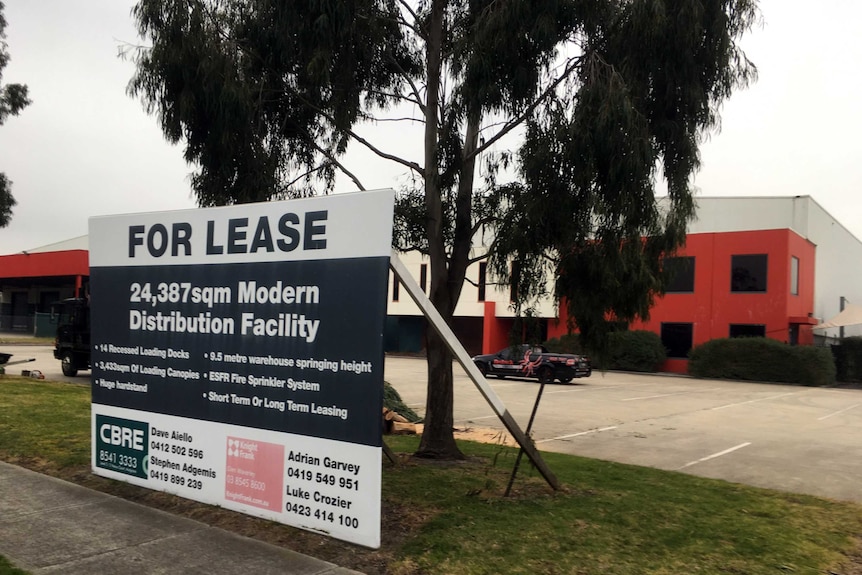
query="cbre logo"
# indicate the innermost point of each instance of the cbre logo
(120, 436)
(121, 445)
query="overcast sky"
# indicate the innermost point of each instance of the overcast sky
(84, 148)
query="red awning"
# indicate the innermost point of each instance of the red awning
(45, 264)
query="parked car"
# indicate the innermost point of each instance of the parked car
(534, 361)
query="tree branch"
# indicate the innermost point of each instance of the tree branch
(386, 156)
(410, 165)
(401, 97)
(517, 121)
(305, 175)
(413, 248)
(415, 17)
(473, 260)
(370, 118)
(410, 81)
(481, 222)
(341, 167)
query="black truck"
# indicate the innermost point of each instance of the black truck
(72, 342)
(534, 361)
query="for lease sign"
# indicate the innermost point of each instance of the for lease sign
(238, 356)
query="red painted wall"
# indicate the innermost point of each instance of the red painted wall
(712, 307)
(64, 263)
(496, 330)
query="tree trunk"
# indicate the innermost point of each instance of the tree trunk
(438, 441)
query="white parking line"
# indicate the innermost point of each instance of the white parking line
(507, 384)
(578, 434)
(579, 389)
(654, 396)
(756, 400)
(838, 412)
(671, 394)
(714, 455)
(597, 387)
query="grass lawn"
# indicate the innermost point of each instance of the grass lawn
(25, 340)
(451, 517)
(7, 568)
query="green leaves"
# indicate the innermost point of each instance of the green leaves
(647, 87)
(7, 202)
(265, 93)
(13, 99)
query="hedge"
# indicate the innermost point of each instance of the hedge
(627, 350)
(848, 359)
(762, 359)
(565, 344)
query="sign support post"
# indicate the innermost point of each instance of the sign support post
(463, 358)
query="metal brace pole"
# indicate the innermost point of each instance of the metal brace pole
(521, 451)
(433, 316)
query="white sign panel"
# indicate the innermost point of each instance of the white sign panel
(238, 356)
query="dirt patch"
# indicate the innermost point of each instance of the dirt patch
(480, 434)
(486, 435)
(853, 564)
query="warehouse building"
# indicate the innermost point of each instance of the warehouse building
(752, 266)
(30, 281)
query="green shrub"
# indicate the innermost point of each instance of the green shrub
(638, 350)
(762, 359)
(627, 350)
(569, 343)
(848, 359)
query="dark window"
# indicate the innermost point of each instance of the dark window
(748, 273)
(747, 330)
(46, 299)
(677, 339)
(423, 277)
(794, 275)
(396, 288)
(483, 278)
(680, 274)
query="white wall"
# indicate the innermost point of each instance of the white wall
(742, 214)
(838, 270)
(468, 304)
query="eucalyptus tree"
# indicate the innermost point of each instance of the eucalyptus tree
(267, 96)
(13, 99)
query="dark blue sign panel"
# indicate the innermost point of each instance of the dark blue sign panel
(303, 338)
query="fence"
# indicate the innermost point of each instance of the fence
(22, 324)
(38, 324)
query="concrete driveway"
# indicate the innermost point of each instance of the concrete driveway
(798, 439)
(45, 362)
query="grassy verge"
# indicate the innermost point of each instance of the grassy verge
(7, 568)
(452, 518)
(25, 340)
